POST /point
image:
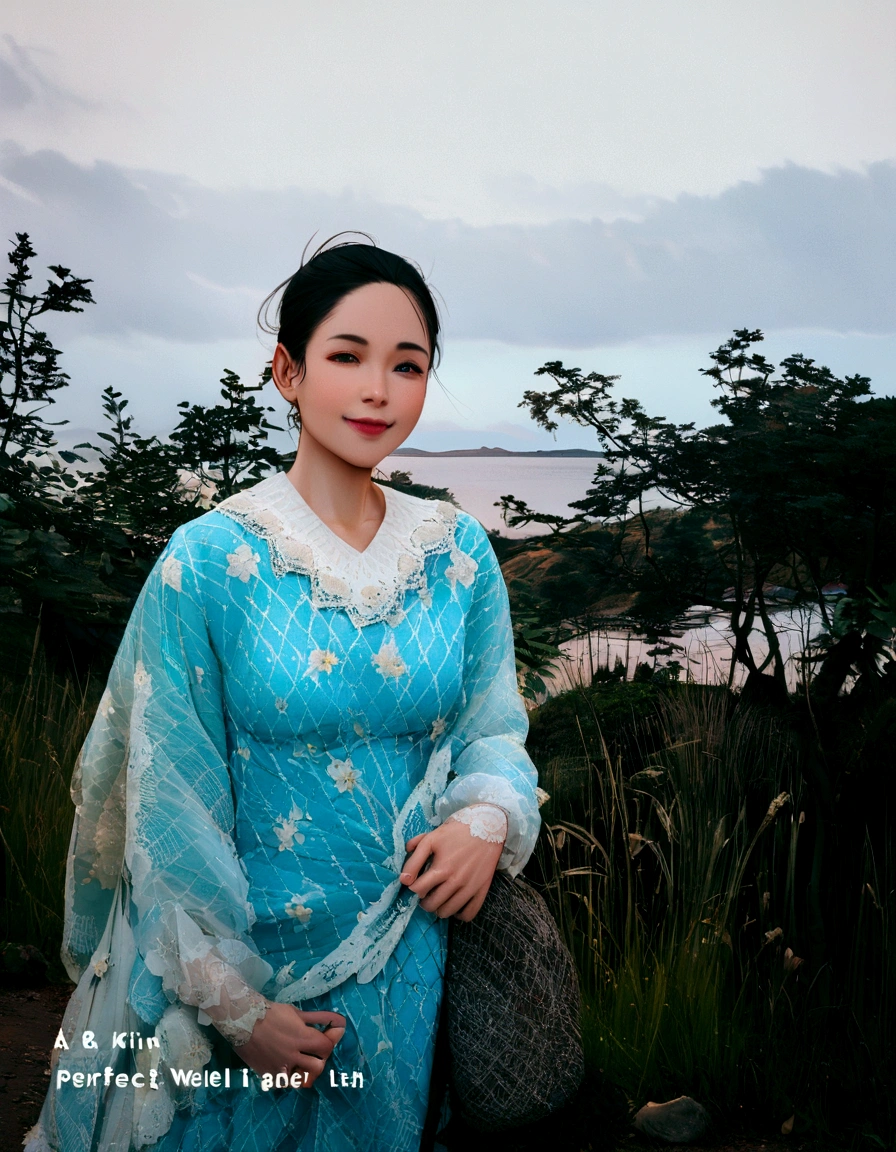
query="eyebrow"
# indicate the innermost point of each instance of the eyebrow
(404, 345)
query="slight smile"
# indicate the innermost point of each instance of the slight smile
(368, 427)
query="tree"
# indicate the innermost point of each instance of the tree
(796, 487)
(138, 491)
(224, 446)
(29, 366)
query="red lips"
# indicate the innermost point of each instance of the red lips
(368, 427)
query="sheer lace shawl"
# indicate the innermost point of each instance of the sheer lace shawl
(152, 860)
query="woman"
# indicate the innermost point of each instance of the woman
(309, 755)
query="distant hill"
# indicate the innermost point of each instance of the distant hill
(578, 453)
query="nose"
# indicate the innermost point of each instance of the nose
(375, 388)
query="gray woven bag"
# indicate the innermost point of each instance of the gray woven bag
(512, 1011)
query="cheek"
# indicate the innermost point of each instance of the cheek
(412, 401)
(324, 399)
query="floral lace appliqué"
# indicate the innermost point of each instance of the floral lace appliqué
(172, 572)
(106, 708)
(109, 838)
(462, 568)
(239, 1031)
(219, 991)
(320, 660)
(242, 563)
(286, 829)
(388, 661)
(284, 974)
(298, 910)
(345, 775)
(485, 821)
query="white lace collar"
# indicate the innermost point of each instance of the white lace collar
(369, 585)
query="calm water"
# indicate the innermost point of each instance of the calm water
(547, 485)
(704, 648)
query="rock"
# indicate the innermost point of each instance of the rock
(679, 1121)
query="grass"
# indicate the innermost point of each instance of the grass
(44, 719)
(679, 883)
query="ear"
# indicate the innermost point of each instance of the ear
(286, 374)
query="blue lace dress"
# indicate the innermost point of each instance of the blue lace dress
(283, 715)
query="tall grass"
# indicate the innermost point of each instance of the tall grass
(44, 718)
(679, 884)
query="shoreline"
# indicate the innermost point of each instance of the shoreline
(547, 453)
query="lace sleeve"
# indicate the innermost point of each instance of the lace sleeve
(222, 995)
(485, 821)
(155, 805)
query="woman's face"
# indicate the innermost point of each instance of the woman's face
(364, 384)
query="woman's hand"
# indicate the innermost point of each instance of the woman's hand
(284, 1040)
(460, 870)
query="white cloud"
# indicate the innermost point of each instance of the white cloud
(173, 259)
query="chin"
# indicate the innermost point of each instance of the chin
(370, 459)
(370, 455)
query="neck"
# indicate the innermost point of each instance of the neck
(341, 494)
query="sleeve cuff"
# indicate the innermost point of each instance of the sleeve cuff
(482, 788)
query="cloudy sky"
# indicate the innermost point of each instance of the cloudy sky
(617, 186)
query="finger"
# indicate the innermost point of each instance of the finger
(457, 902)
(321, 1040)
(469, 911)
(310, 1065)
(427, 881)
(415, 861)
(334, 1034)
(414, 841)
(439, 896)
(314, 1043)
(331, 1019)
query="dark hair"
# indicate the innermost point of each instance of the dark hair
(331, 273)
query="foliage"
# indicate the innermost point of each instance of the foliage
(404, 482)
(29, 367)
(536, 653)
(587, 723)
(137, 485)
(796, 487)
(44, 718)
(224, 446)
(76, 544)
(677, 871)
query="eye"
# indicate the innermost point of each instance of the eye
(344, 357)
(408, 367)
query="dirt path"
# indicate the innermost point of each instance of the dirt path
(30, 1020)
(29, 1023)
